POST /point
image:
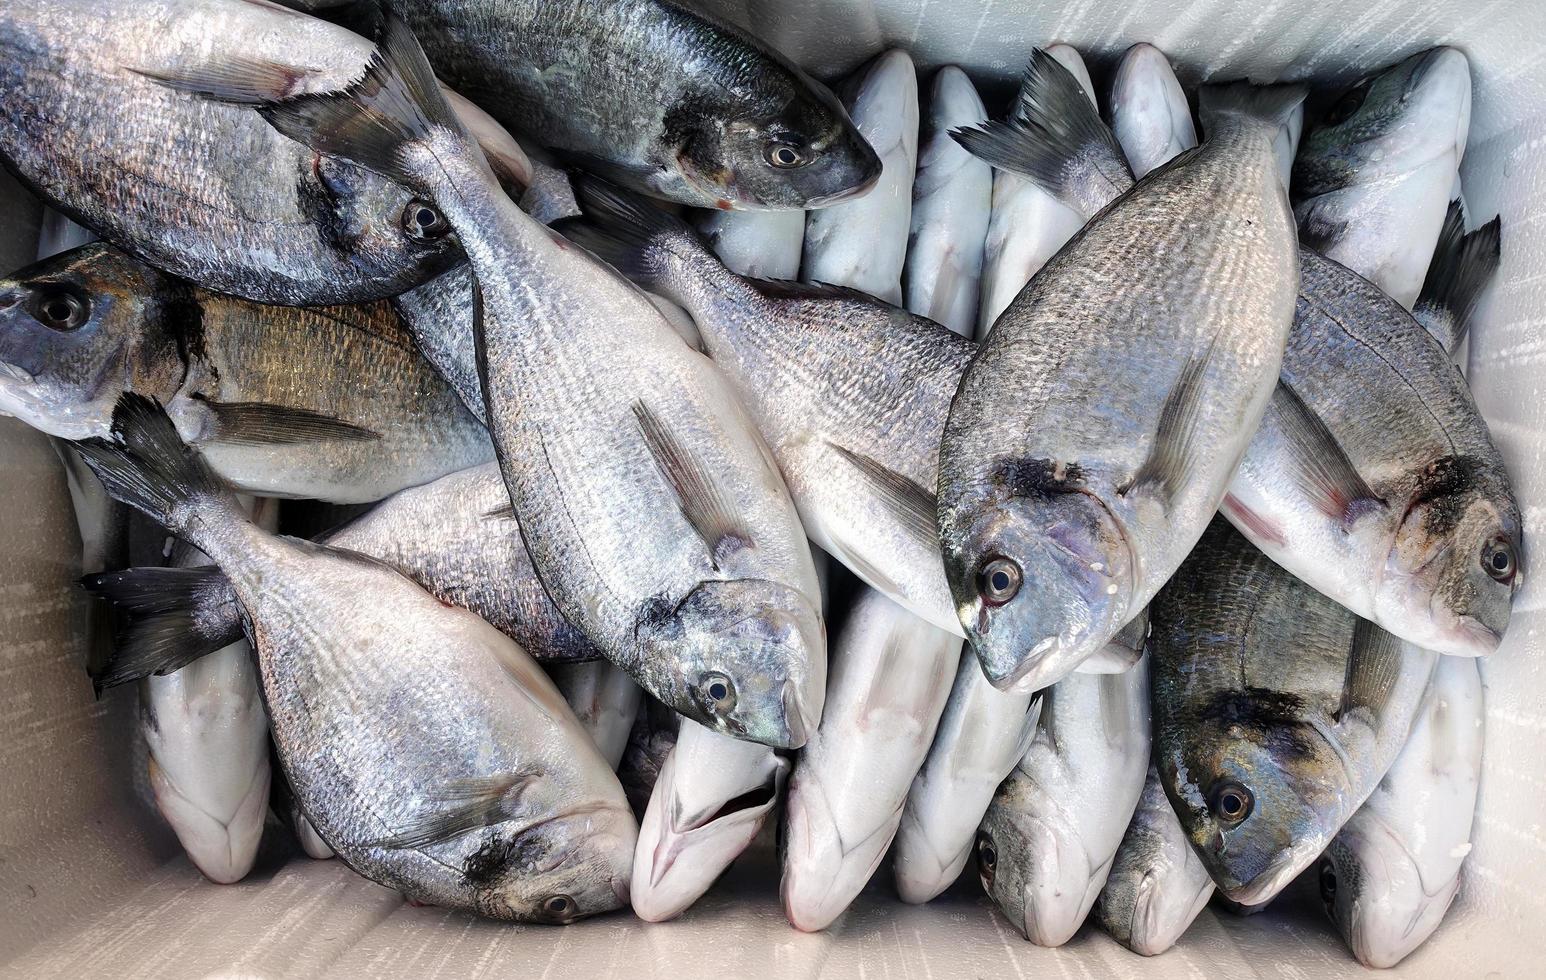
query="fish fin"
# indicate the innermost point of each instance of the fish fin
(1056, 138)
(1322, 470)
(866, 570)
(262, 424)
(173, 616)
(909, 502)
(797, 290)
(396, 102)
(1170, 457)
(149, 467)
(502, 513)
(1373, 666)
(460, 806)
(701, 500)
(633, 236)
(613, 171)
(238, 80)
(1461, 269)
(1220, 106)
(480, 349)
(1317, 231)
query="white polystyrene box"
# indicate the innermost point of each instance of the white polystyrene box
(91, 884)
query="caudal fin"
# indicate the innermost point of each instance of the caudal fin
(1235, 104)
(635, 237)
(1056, 138)
(173, 616)
(1462, 267)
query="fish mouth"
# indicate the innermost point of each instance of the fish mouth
(1284, 868)
(843, 196)
(822, 874)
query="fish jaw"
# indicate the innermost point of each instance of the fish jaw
(1284, 868)
(1379, 901)
(223, 849)
(1158, 920)
(823, 874)
(1061, 885)
(921, 872)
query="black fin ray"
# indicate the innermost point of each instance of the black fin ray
(262, 424)
(1322, 470)
(461, 806)
(1169, 462)
(698, 496)
(913, 506)
(1463, 265)
(626, 232)
(174, 617)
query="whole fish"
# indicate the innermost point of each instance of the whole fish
(604, 699)
(1076, 475)
(863, 244)
(1276, 712)
(1150, 116)
(1157, 884)
(1394, 869)
(653, 94)
(891, 676)
(1049, 837)
(203, 189)
(649, 743)
(1027, 225)
(485, 794)
(653, 512)
(332, 403)
(952, 201)
(1372, 179)
(709, 803)
(455, 537)
(759, 244)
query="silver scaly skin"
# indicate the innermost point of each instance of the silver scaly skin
(331, 403)
(604, 699)
(1276, 712)
(90, 121)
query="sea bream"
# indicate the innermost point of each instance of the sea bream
(760, 244)
(1150, 116)
(485, 794)
(605, 701)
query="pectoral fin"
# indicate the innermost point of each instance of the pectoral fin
(458, 807)
(262, 424)
(698, 496)
(909, 502)
(1169, 462)
(1321, 468)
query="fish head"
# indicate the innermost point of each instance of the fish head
(1456, 561)
(558, 871)
(79, 329)
(1041, 581)
(378, 222)
(1033, 864)
(1390, 123)
(1373, 891)
(1258, 788)
(747, 658)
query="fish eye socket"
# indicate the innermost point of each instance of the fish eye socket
(1499, 561)
(559, 907)
(61, 308)
(423, 222)
(784, 156)
(1232, 803)
(987, 856)
(999, 581)
(1349, 104)
(1328, 880)
(717, 692)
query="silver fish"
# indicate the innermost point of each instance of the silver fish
(1066, 500)
(331, 403)
(1276, 712)
(759, 244)
(952, 201)
(1394, 869)
(605, 700)
(710, 801)
(1372, 179)
(653, 512)
(891, 676)
(1052, 831)
(649, 743)
(653, 94)
(863, 244)
(1149, 113)
(1157, 884)
(203, 189)
(485, 794)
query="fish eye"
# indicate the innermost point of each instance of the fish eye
(1350, 103)
(987, 856)
(717, 692)
(1232, 803)
(784, 156)
(1499, 561)
(999, 581)
(1328, 881)
(60, 307)
(423, 222)
(560, 907)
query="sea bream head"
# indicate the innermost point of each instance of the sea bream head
(1373, 889)
(79, 329)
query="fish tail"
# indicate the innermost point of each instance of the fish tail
(173, 616)
(1237, 104)
(640, 240)
(1463, 264)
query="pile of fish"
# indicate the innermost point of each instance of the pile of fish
(1131, 464)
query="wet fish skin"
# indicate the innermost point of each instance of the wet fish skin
(604, 699)
(1372, 178)
(1050, 835)
(1271, 699)
(649, 743)
(606, 84)
(1150, 116)
(952, 202)
(759, 244)
(1394, 869)
(331, 403)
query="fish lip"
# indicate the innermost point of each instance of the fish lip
(1284, 868)
(840, 197)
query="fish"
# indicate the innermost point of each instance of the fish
(649, 743)
(1393, 870)
(1276, 712)
(1463, 266)
(1026, 225)
(288, 809)
(1075, 476)
(331, 403)
(486, 795)
(891, 676)
(758, 244)
(456, 538)
(952, 202)
(1372, 179)
(200, 188)
(1150, 116)
(710, 801)
(608, 87)
(862, 244)
(1157, 885)
(1051, 833)
(604, 699)
(653, 513)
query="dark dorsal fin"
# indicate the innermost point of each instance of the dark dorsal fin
(460, 806)
(1321, 468)
(911, 504)
(1170, 457)
(701, 500)
(1462, 267)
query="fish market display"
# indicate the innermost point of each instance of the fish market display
(1074, 477)
(1276, 712)
(605, 700)
(952, 200)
